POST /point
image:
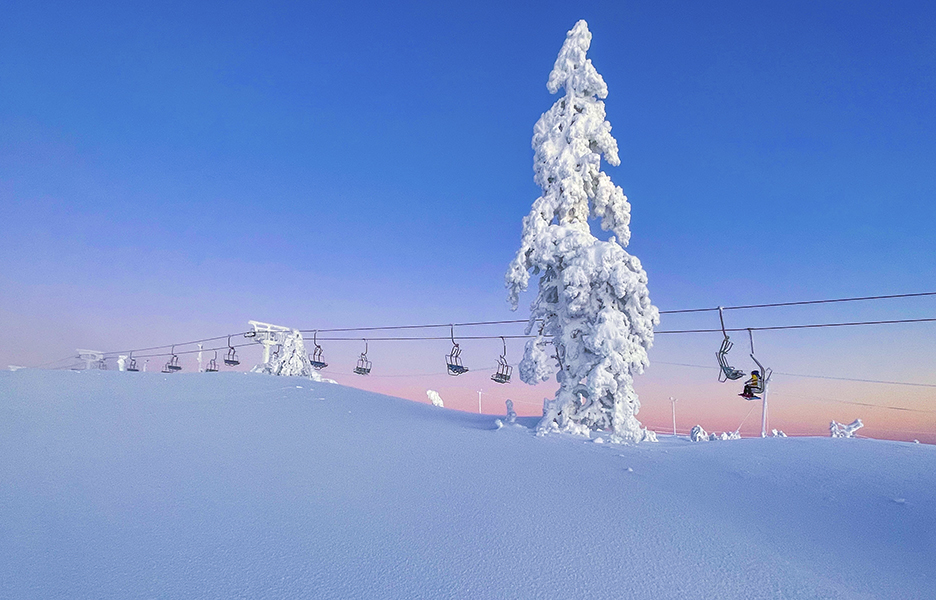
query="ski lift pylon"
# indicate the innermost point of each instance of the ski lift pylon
(363, 366)
(317, 359)
(230, 359)
(212, 364)
(727, 372)
(503, 369)
(453, 361)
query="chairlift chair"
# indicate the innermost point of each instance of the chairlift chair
(761, 388)
(727, 372)
(132, 364)
(230, 359)
(363, 366)
(503, 369)
(173, 364)
(453, 361)
(317, 359)
(212, 364)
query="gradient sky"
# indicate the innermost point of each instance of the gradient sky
(169, 171)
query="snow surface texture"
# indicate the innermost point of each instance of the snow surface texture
(435, 398)
(291, 359)
(840, 430)
(593, 306)
(231, 485)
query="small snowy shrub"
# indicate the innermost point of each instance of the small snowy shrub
(435, 398)
(511, 414)
(778, 433)
(840, 430)
(593, 307)
(697, 434)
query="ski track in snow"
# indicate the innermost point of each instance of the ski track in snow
(118, 485)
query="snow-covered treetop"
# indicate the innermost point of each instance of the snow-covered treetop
(569, 141)
(572, 70)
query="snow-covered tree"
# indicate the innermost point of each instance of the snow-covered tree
(841, 430)
(291, 360)
(435, 398)
(511, 413)
(592, 313)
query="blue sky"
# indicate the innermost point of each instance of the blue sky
(169, 171)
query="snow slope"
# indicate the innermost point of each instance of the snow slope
(229, 485)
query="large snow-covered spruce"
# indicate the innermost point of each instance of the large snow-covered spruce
(593, 307)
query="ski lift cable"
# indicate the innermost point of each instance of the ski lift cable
(661, 332)
(798, 303)
(879, 381)
(211, 339)
(495, 337)
(808, 326)
(868, 404)
(519, 321)
(225, 347)
(662, 312)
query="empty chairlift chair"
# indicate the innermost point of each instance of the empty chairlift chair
(453, 361)
(230, 359)
(503, 369)
(727, 372)
(132, 364)
(363, 366)
(212, 364)
(173, 365)
(317, 358)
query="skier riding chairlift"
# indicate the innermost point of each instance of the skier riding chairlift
(756, 386)
(752, 387)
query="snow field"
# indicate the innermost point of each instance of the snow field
(228, 485)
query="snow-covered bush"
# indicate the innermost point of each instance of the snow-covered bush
(435, 398)
(593, 306)
(697, 434)
(778, 433)
(511, 413)
(840, 430)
